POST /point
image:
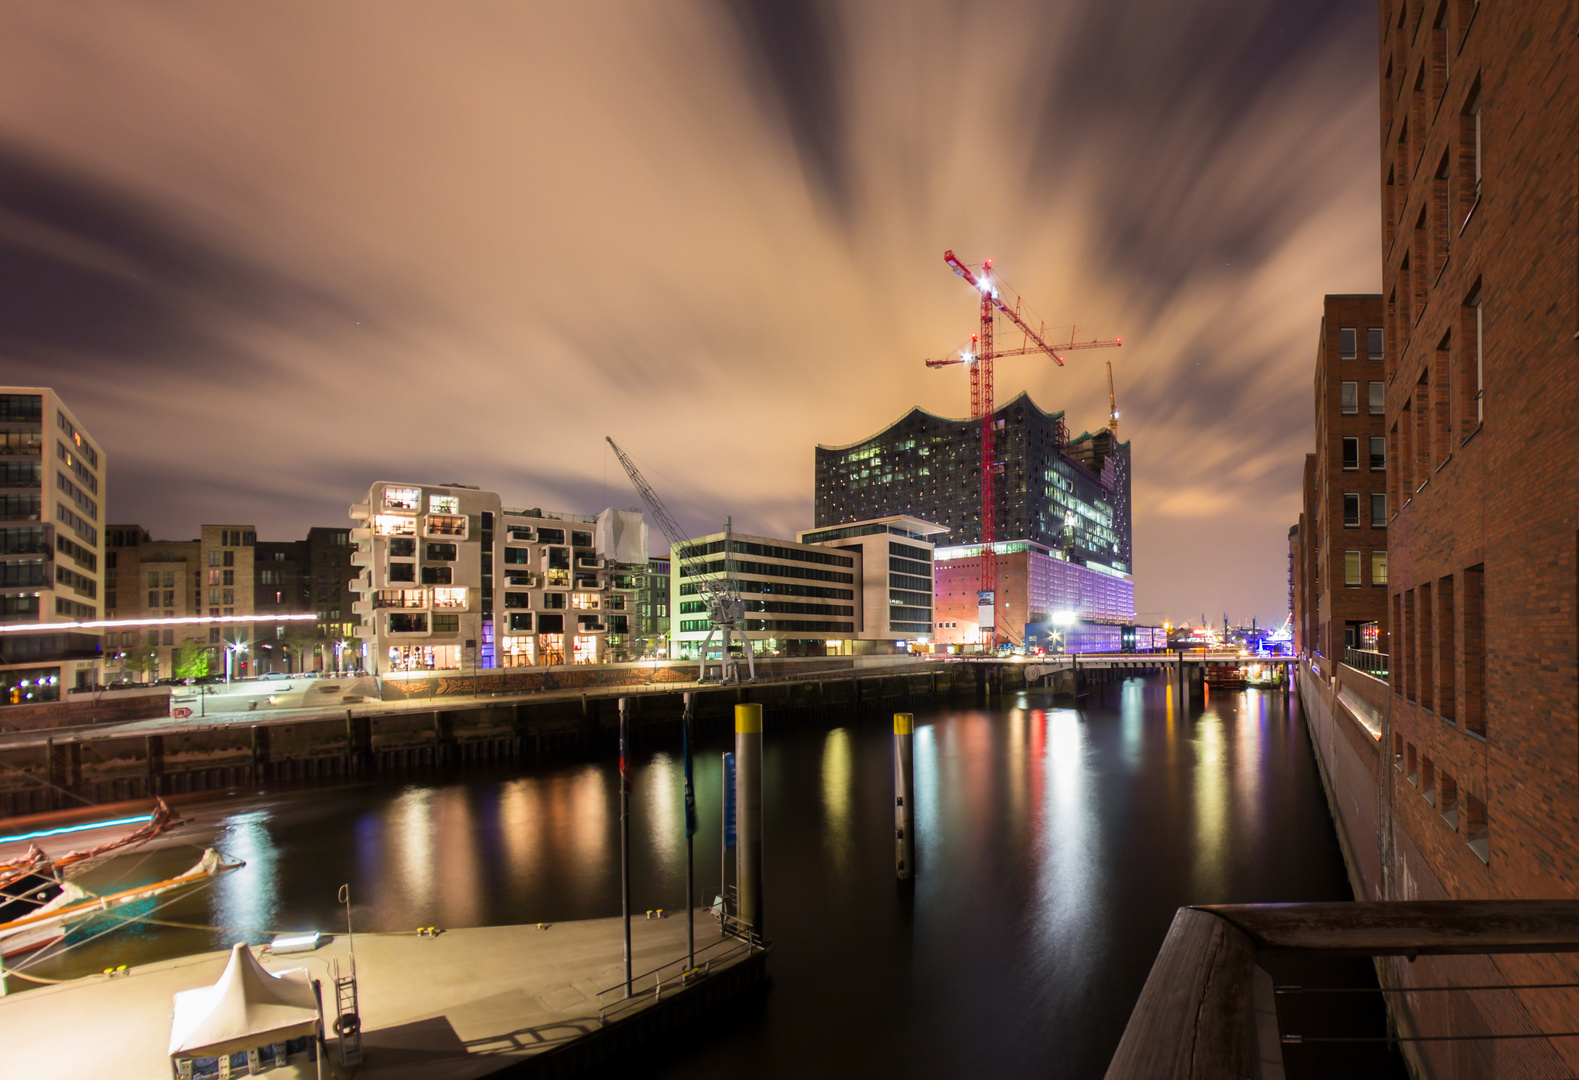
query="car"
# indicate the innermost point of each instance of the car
(273, 676)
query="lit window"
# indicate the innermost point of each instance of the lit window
(402, 498)
(1351, 567)
(394, 525)
(1378, 568)
(449, 598)
(585, 601)
(444, 504)
(446, 525)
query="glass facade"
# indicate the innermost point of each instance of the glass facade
(1071, 495)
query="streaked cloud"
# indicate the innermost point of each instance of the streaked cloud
(276, 253)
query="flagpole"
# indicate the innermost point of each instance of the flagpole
(625, 838)
(690, 831)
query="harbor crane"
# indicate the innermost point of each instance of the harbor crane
(980, 357)
(725, 609)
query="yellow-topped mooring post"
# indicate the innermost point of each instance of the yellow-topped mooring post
(748, 814)
(904, 790)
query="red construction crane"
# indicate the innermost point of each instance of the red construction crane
(981, 406)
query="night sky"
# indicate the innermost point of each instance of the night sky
(272, 253)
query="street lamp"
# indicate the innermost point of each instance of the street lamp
(232, 648)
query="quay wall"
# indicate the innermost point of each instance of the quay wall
(1346, 716)
(51, 774)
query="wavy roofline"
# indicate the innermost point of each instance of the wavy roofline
(1026, 394)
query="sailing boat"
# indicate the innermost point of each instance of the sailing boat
(38, 901)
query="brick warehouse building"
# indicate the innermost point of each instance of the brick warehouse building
(1345, 519)
(1480, 247)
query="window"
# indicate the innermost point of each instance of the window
(1376, 403)
(399, 598)
(1378, 510)
(520, 620)
(1474, 650)
(449, 598)
(446, 525)
(1426, 636)
(1428, 779)
(394, 525)
(553, 601)
(517, 600)
(1347, 349)
(550, 536)
(213, 577)
(229, 578)
(440, 552)
(1475, 147)
(1447, 801)
(585, 601)
(213, 635)
(1471, 363)
(402, 548)
(214, 558)
(213, 596)
(438, 575)
(1351, 568)
(169, 598)
(169, 637)
(1378, 568)
(1350, 392)
(405, 623)
(1378, 453)
(551, 624)
(586, 649)
(580, 539)
(444, 504)
(1351, 453)
(1477, 829)
(1447, 653)
(514, 556)
(518, 651)
(1373, 343)
(1351, 511)
(402, 571)
(228, 558)
(402, 498)
(230, 596)
(446, 623)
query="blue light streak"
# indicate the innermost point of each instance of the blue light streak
(140, 820)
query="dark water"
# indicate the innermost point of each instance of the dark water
(1054, 845)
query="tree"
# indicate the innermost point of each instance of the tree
(192, 660)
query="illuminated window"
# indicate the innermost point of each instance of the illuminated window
(446, 525)
(1351, 568)
(551, 647)
(518, 651)
(585, 601)
(586, 649)
(402, 498)
(449, 598)
(394, 525)
(444, 504)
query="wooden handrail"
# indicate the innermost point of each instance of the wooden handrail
(1193, 1019)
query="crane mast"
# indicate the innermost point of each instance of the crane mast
(1112, 403)
(726, 610)
(981, 409)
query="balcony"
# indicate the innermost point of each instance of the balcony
(588, 584)
(589, 562)
(1372, 663)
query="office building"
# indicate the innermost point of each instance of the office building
(650, 628)
(53, 475)
(448, 579)
(861, 588)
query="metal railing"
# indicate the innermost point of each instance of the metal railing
(1203, 1011)
(650, 986)
(1372, 663)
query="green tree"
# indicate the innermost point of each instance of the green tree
(192, 660)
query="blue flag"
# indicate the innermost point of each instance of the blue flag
(729, 801)
(690, 788)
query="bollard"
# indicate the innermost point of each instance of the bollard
(748, 814)
(904, 795)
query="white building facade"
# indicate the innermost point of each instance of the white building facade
(451, 580)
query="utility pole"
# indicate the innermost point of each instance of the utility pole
(625, 836)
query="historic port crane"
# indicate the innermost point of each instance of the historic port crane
(980, 358)
(725, 608)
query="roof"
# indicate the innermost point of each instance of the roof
(1023, 396)
(248, 1007)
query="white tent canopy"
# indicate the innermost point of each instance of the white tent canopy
(247, 1008)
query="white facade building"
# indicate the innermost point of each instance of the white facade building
(860, 588)
(451, 580)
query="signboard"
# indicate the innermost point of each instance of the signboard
(729, 801)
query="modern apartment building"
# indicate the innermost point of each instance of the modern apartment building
(650, 629)
(1061, 500)
(1348, 499)
(451, 580)
(861, 588)
(52, 495)
(209, 580)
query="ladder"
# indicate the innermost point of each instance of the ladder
(348, 1019)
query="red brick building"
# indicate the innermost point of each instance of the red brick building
(1346, 499)
(1480, 247)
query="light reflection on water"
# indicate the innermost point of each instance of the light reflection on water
(1054, 845)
